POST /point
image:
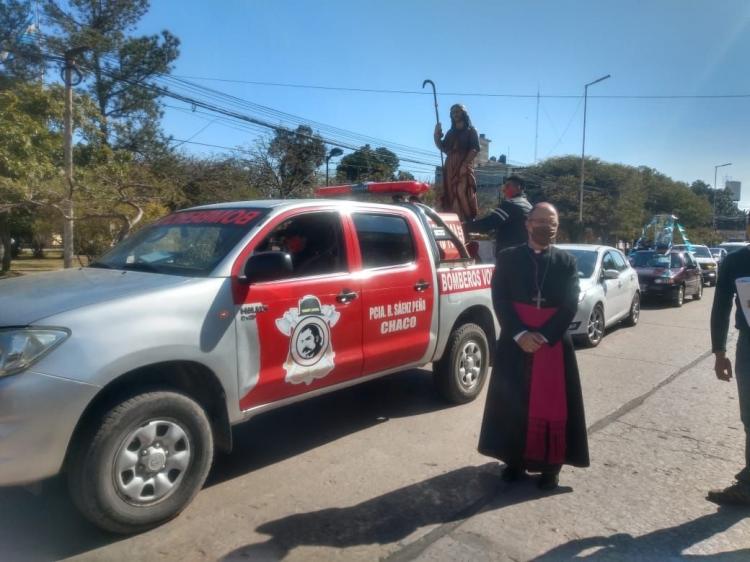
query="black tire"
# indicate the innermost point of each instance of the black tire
(699, 295)
(679, 297)
(595, 329)
(93, 480)
(461, 372)
(635, 310)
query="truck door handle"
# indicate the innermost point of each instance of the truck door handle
(346, 296)
(421, 285)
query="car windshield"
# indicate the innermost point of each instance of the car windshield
(701, 252)
(652, 259)
(585, 260)
(188, 243)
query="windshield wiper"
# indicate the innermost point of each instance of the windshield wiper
(141, 266)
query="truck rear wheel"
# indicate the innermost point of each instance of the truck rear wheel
(142, 463)
(461, 372)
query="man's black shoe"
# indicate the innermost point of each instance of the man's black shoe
(511, 474)
(549, 481)
(736, 494)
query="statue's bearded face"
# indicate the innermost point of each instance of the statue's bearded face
(457, 116)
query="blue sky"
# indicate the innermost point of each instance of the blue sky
(657, 47)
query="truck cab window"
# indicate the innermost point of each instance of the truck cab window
(315, 241)
(384, 240)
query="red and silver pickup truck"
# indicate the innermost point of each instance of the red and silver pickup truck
(128, 374)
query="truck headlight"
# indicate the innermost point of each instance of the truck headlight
(22, 347)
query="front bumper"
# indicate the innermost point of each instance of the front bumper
(38, 414)
(708, 274)
(580, 324)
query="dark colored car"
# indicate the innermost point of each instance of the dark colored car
(671, 275)
(707, 263)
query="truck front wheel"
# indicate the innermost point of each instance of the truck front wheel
(462, 371)
(142, 462)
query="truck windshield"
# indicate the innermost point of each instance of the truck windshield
(190, 243)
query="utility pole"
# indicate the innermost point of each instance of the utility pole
(67, 203)
(536, 132)
(583, 146)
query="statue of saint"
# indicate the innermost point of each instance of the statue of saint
(461, 145)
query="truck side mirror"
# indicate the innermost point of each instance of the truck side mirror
(267, 266)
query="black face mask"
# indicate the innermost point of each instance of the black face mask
(543, 235)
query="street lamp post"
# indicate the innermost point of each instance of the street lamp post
(335, 151)
(716, 169)
(583, 145)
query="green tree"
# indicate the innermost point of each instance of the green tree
(366, 164)
(117, 67)
(20, 56)
(285, 166)
(30, 151)
(618, 199)
(212, 180)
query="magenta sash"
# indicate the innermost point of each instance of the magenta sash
(548, 405)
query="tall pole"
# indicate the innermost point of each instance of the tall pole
(67, 203)
(68, 210)
(536, 132)
(583, 146)
(716, 169)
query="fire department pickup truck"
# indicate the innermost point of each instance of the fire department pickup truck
(128, 374)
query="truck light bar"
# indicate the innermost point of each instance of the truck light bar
(383, 187)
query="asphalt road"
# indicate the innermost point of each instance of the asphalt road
(388, 471)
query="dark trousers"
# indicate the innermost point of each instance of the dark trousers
(742, 374)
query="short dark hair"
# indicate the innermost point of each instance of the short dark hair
(515, 180)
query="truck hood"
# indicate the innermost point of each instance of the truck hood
(28, 299)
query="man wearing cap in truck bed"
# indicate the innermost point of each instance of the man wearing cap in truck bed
(508, 219)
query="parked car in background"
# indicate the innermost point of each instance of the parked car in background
(609, 291)
(671, 275)
(719, 254)
(707, 263)
(733, 246)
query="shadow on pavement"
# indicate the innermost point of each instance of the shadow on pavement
(46, 526)
(663, 544)
(276, 435)
(394, 516)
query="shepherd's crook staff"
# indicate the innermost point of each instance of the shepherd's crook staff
(437, 119)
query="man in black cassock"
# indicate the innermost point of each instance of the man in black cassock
(533, 417)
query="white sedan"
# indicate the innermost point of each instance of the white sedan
(609, 291)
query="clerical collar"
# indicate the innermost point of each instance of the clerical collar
(538, 252)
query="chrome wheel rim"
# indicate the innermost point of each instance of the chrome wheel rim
(596, 325)
(151, 462)
(635, 308)
(680, 295)
(470, 365)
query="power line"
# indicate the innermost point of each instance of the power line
(466, 94)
